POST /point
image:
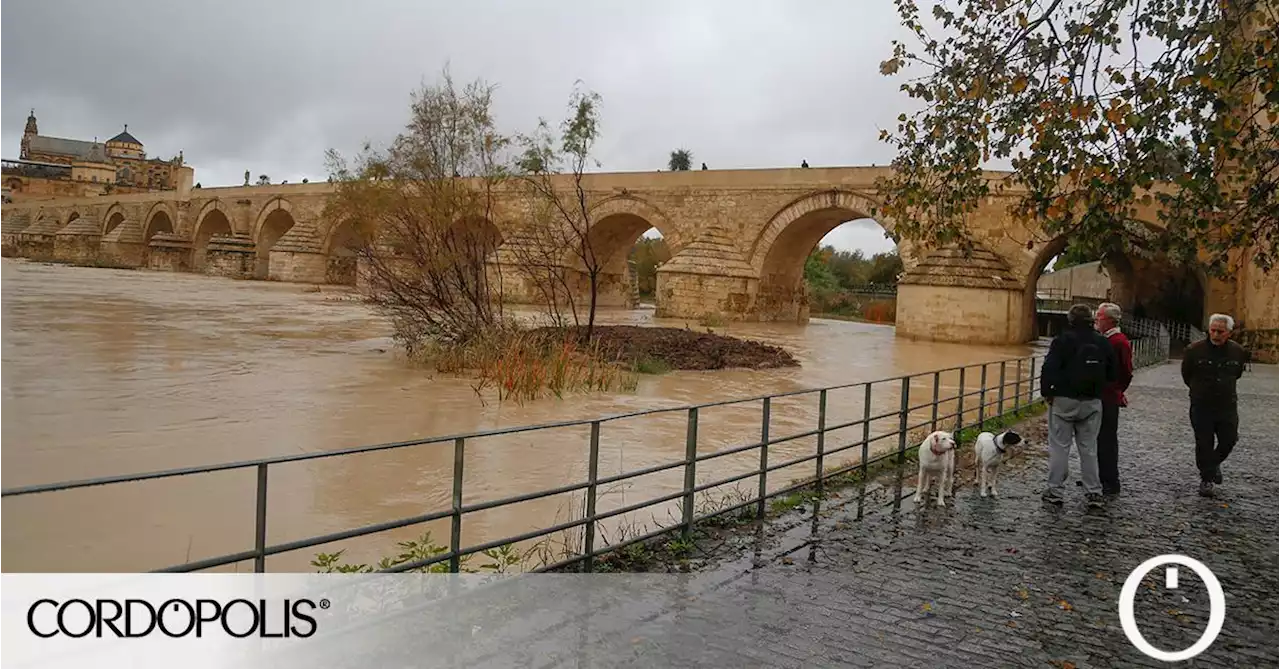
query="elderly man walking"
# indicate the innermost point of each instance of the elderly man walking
(1210, 368)
(1079, 366)
(1107, 321)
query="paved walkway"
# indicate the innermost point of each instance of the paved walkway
(986, 583)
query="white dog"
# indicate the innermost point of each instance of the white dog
(987, 454)
(937, 465)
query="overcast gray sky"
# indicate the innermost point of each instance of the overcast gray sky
(269, 86)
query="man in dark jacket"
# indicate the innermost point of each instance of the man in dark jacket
(1079, 366)
(1210, 368)
(1108, 323)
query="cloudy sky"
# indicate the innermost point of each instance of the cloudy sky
(269, 86)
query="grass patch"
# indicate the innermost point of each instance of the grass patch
(648, 365)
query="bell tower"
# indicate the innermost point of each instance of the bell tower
(27, 133)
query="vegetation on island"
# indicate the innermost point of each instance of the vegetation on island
(849, 284)
(1098, 105)
(421, 212)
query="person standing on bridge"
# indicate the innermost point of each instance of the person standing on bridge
(1107, 321)
(1210, 368)
(1080, 364)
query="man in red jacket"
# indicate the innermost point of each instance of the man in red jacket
(1107, 320)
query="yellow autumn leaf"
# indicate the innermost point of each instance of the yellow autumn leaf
(1019, 84)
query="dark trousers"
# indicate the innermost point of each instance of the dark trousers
(1208, 423)
(1109, 448)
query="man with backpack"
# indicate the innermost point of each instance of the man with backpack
(1080, 364)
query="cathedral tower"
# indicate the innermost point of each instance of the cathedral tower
(27, 133)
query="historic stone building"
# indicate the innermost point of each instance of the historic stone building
(58, 167)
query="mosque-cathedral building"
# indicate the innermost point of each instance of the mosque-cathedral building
(57, 167)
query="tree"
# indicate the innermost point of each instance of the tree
(561, 221)
(423, 233)
(1074, 254)
(681, 160)
(264, 180)
(1099, 105)
(648, 254)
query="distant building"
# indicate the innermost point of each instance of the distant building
(58, 167)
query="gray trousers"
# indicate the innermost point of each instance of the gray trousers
(1078, 420)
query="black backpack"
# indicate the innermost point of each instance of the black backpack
(1085, 371)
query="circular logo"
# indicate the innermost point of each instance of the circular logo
(1217, 606)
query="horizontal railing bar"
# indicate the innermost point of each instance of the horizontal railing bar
(639, 505)
(732, 479)
(356, 532)
(747, 447)
(356, 450)
(638, 472)
(517, 499)
(208, 563)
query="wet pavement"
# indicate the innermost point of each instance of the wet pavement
(1007, 582)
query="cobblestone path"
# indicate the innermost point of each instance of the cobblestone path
(1006, 582)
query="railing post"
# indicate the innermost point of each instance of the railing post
(455, 521)
(1000, 394)
(690, 471)
(260, 523)
(593, 473)
(822, 435)
(866, 428)
(982, 397)
(1031, 382)
(960, 402)
(764, 456)
(1017, 388)
(937, 381)
(903, 406)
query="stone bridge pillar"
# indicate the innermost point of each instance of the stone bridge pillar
(708, 278)
(36, 242)
(124, 245)
(975, 300)
(297, 257)
(233, 256)
(11, 227)
(169, 251)
(78, 242)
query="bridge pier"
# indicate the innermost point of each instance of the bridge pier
(233, 256)
(78, 241)
(124, 246)
(975, 300)
(169, 252)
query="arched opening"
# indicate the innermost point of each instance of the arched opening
(113, 222)
(830, 261)
(1155, 287)
(647, 254)
(341, 253)
(213, 223)
(160, 222)
(611, 243)
(475, 238)
(276, 224)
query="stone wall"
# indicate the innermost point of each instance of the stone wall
(1087, 280)
(230, 256)
(722, 226)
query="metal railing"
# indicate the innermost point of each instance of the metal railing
(982, 392)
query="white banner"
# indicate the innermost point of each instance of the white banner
(317, 621)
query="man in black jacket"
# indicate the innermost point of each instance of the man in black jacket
(1210, 368)
(1079, 365)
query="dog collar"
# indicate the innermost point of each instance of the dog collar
(999, 447)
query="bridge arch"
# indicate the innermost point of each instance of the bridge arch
(1144, 285)
(212, 221)
(274, 220)
(160, 218)
(617, 224)
(780, 252)
(114, 216)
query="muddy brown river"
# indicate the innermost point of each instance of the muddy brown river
(114, 372)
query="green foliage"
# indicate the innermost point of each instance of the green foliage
(681, 160)
(1076, 253)
(647, 254)
(501, 560)
(1111, 112)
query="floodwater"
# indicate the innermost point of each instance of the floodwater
(109, 372)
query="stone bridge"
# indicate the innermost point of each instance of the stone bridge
(739, 240)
